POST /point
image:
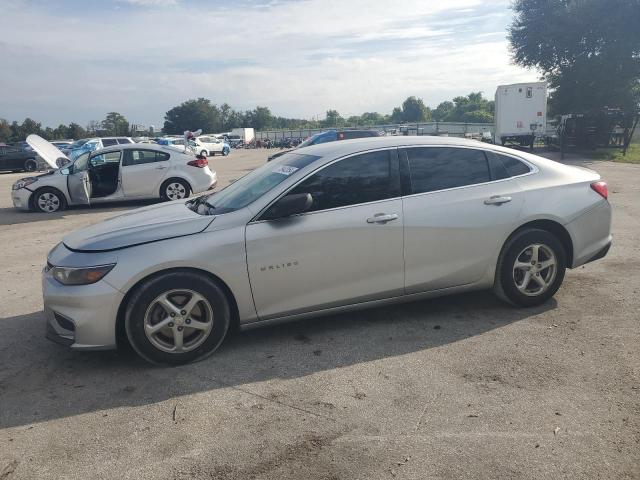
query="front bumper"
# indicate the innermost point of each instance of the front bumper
(21, 198)
(82, 317)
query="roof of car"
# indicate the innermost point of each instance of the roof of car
(138, 146)
(345, 147)
(348, 147)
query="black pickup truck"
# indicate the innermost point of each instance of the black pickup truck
(18, 158)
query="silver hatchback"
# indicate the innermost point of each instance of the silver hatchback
(323, 229)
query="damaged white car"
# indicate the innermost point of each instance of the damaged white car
(121, 172)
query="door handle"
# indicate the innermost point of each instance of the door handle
(497, 200)
(160, 168)
(382, 218)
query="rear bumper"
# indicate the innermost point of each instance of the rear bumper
(601, 254)
(591, 234)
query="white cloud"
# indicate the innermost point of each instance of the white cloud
(299, 58)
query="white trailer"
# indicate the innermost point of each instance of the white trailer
(520, 113)
(245, 134)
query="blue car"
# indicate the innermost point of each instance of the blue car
(330, 136)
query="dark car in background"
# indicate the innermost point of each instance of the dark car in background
(330, 136)
(17, 157)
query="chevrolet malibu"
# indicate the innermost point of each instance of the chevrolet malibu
(123, 172)
(324, 229)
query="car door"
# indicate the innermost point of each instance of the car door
(456, 214)
(346, 249)
(78, 181)
(142, 172)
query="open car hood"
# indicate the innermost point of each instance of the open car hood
(48, 151)
(143, 225)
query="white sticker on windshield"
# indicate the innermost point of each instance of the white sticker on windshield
(284, 170)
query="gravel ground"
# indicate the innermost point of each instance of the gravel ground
(458, 387)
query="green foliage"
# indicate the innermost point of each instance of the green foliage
(414, 110)
(473, 108)
(615, 155)
(115, 124)
(588, 50)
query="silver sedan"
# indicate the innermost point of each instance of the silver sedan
(325, 229)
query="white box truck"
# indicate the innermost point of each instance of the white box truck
(521, 113)
(246, 134)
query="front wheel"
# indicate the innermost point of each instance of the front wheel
(177, 318)
(174, 189)
(225, 152)
(49, 200)
(204, 153)
(531, 268)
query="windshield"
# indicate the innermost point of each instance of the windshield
(78, 143)
(252, 186)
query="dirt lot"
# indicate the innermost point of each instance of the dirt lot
(460, 387)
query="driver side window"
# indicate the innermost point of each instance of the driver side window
(363, 178)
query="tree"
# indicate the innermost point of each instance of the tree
(5, 131)
(115, 124)
(442, 111)
(414, 110)
(191, 115)
(333, 119)
(75, 131)
(261, 118)
(396, 115)
(588, 50)
(28, 127)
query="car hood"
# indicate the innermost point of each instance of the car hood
(47, 150)
(143, 225)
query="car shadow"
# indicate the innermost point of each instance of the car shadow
(41, 381)
(14, 216)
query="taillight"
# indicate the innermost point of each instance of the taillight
(601, 189)
(199, 162)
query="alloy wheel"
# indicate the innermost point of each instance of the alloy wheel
(178, 321)
(176, 191)
(48, 202)
(534, 269)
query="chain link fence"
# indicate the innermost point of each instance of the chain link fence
(452, 129)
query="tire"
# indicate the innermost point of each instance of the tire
(225, 152)
(204, 153)
(49, 200)
(511, 283)
(174, 189)
(30, 165)
(148, 307)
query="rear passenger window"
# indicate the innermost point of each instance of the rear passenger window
(108, 142)
(513, 166)
(440, 168)
(140, 157)
(124, 141)
(359, 179)
(503, 166)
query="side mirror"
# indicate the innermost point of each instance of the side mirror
(289, 205)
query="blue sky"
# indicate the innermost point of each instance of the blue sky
(74, 60)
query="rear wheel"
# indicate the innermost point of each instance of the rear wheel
(30, 165)
(177, 318)
(531, 268)
(49, 200)
(175, 189)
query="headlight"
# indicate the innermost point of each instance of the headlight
(23, 182)
(80, 276)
